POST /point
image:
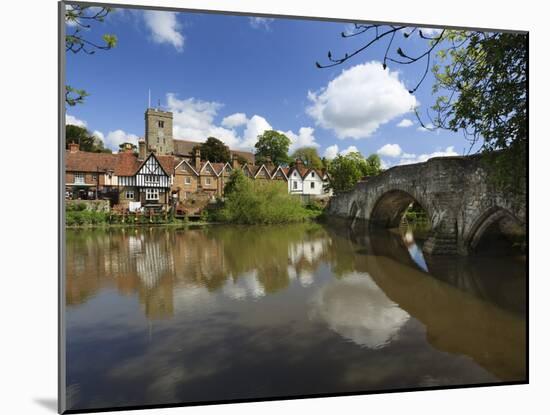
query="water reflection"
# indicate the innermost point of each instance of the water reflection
(220, 312)
(357, 309)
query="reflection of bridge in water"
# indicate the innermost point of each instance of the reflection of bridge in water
(467, 306)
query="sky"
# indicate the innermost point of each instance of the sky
(233, 77)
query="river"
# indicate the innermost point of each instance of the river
(163, 315)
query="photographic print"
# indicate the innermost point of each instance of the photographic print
(277, 207)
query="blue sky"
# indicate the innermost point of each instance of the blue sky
(232, 77)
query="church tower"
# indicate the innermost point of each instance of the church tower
(158, 131)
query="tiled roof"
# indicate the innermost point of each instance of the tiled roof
(121, 164)
(89, 162)
(127, 164)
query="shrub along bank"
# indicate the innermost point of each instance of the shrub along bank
(253, 202)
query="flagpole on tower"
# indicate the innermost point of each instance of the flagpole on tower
(149, 99)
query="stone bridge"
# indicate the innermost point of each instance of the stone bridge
(461, 203)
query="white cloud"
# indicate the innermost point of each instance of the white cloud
(359, 100)
(405, 122)
(430, 31)
(304, 138)
(413, 158)
(164, 28)
(331, 151)
(194, 120)
(254, 127)
(235, 120)
(390, 150)
(260, 22)
(114, 138)
(72, 120)
(350, 149)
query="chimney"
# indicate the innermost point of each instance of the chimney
(197, 158)
(74, 147)
(298, 163)
(128, 148)
(142, 149)
(234, 161)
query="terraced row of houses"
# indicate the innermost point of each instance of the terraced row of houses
(167, 171)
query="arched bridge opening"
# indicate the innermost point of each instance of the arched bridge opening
(396, 207)
(497, 232)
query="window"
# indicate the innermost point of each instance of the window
(295, 185)
(151, 194)
(207, 181)
(313, 185)
(161, 124)
(79, 178)
(129, 194)
(294, 174)
(150, 179)
(94, 177)
(312, 174)
(188, 180)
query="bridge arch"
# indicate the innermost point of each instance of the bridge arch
(388, 209)
(496, 230)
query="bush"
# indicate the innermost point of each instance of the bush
(84, 217)
(258, 202)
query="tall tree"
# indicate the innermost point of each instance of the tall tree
(373, 165)
(272, 145)
(345, 172)
(309, 156)
(79, 20)
(85, 140)
(215, 151)
(480, 87)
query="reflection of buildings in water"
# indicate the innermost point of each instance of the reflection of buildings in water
(244, 286)
(152, 263)
(309, 251)
(303, 258)
(357, 309)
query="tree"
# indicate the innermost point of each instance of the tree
(215, 151)
(309, 156)
(272, 145)
(85, 140)
(78, 20)
(480, 87)
(373, 165)
(346, 171)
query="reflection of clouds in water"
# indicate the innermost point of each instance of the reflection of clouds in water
(192, 298)
(246, 285)
(306, 250)
(414, 251)
(357, 309)
(305, 278)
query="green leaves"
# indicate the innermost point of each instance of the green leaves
(272, 145)
(74, 96)
(110, 40)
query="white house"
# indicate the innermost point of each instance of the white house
(306, 181)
